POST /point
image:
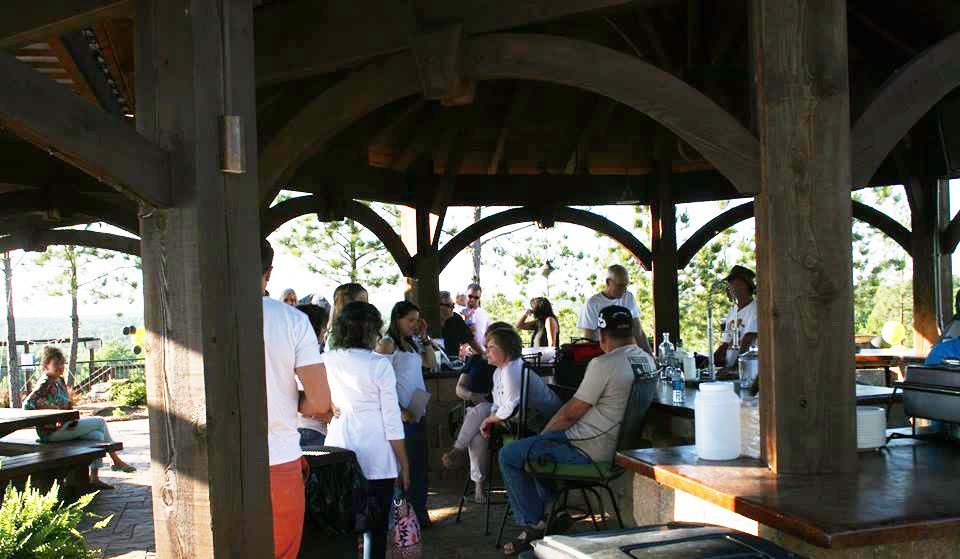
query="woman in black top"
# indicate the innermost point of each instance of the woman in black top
(544, 324)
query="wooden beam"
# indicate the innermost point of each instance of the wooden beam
(202, 292)
(520, 99)
(688, 113)
(808, 416)
(341, 36)
(902, 101)
(380, 149)
(598, 223)
(67, 202)
(26, 21)
(427, 135)
(76, 53)
(332, 111)
(104, 146)
(596, 125)
(663, 243)
(38, 241)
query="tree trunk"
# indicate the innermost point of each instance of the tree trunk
(74, 318)
(13, 358)
(477, 245)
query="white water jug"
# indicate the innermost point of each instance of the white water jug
(717, 421)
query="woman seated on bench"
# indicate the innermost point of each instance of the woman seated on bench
(53, 394)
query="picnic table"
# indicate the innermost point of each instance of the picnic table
(887, 359)
(14, 419)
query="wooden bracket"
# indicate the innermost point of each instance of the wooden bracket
(439, 56)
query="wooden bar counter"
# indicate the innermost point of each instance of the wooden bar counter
(907, 495)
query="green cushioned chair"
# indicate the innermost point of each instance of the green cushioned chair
(594, 476)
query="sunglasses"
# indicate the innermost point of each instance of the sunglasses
(477, 297)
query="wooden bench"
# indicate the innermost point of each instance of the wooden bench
(67, 462)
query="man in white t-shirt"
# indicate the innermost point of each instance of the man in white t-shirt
(742, 318)
(614, 293)
(476, 318)
(290, 351)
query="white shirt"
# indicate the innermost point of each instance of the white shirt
(479, 320)
(364, 386)
(288, 344)
(408, 366)
(590, 311)
(312, 423)
(746, 317)
(507, 381)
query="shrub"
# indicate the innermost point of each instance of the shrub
(128, 393)
(33, 524)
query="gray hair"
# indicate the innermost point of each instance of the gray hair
(445, 295)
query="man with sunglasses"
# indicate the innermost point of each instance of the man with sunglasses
(476, 318)
(614, 293)
(454, 330)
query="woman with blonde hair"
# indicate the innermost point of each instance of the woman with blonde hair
(53, 394)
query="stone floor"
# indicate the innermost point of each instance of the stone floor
(130, 534)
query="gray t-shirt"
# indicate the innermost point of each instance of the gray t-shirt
(606, 387)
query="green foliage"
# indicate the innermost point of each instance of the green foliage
(342, 251)
(34, 525)
(129, 392)
(5, 391)
(115, 350)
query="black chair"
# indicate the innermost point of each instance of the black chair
(589, 477)
(517, 428)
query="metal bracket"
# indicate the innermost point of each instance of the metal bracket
(233, 158)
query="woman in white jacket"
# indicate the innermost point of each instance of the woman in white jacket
(363, 387)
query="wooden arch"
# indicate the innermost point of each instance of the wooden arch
(871, 216)
(717, 135)
(283, 212)
(903, 100)
(40, 240)
(513, 216)
(68, 203)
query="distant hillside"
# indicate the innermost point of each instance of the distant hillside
(104, 327)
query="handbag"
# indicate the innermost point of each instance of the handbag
(404, 531)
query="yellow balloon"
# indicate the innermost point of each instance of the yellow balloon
(893, 332)
(139, 337)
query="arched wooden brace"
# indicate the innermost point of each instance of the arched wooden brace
(68, 203)
(513, 216)
(903, 100)
(950, 237)
(717, 135)
(283, 212)
(872, 217)
(38, 240)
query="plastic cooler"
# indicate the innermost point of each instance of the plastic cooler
(667, 541)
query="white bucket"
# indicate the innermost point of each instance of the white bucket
(717, 421)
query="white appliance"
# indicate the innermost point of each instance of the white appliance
(871, 427)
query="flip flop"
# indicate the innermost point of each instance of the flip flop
(126, 468)
(522, 543)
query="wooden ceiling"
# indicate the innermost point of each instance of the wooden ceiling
(519, 141)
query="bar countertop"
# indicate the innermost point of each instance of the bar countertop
(908, 491)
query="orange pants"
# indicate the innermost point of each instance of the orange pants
(287, 500)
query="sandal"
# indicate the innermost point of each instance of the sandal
(126, 468)
(522, 543)
(453, 458)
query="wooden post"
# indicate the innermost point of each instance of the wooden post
(663, 212)
(427, 272)
(924, 221)
(202, 295)
(946, 261)
(803, 215)
(13, 358)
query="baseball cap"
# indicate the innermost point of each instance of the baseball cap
(615, 319)
(744, 273)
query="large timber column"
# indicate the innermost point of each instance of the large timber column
(925, 218)
(663, 213)
(427, 272)
(804, 233)
(201, 267)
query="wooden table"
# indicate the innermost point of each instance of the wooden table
(887, 359)
(14, 419)
(908, 491)
(663, 402)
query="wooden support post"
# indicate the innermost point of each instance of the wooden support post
(202, 294)
(804, 221)
(663, 212)
(427, 272)
(925, 217)
(947, 307)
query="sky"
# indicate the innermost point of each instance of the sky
(32, 301)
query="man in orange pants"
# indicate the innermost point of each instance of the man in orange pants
(290, 350)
